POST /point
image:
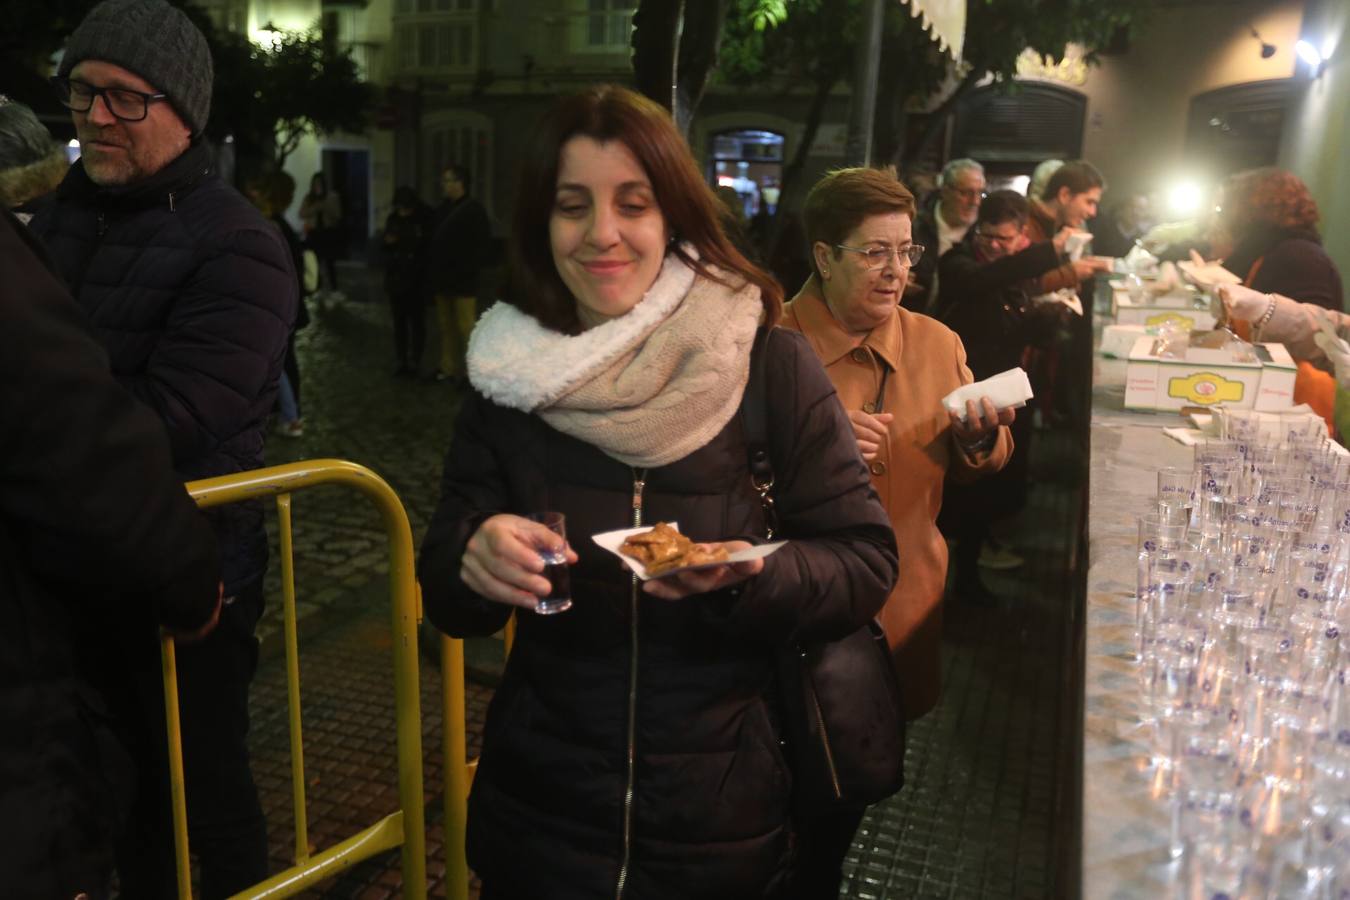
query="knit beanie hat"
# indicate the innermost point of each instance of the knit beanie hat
(157, 42)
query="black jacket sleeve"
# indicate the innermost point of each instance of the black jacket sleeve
(223, 343)
(964, 276)
(841, 561)
(473, 489)
(85, 474)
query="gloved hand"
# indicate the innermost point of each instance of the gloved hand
(1338, 351)
(1233, 301)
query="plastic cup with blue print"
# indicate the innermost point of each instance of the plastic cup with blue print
(555, 566)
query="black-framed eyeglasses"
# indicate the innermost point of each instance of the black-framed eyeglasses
(124, 103)
(969, 193)
(1004, 239)
(876, 257)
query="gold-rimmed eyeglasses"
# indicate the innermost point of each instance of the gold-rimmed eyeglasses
(876, 257)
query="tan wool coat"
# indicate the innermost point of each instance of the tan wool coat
(926, 362)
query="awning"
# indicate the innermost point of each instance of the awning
(945, 20)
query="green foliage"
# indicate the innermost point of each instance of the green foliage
(814, 43)
(767, 13)
(269, 98)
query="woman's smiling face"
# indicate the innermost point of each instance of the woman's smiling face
(607, 231)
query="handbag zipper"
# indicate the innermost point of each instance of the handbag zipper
(639, 483)
(825, 742)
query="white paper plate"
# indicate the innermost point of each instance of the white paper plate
(612, 540)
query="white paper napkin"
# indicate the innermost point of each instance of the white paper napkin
(1188, 436)
(1010, 388)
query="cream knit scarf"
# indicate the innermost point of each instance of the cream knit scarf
(647, 388)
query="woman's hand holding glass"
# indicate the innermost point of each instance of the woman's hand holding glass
(679, 585)
(980, 421)
(502, 561)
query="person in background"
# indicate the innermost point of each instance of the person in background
(960, 188)
(988, 282)
(407, 231)
(32, 164)
(1272, 219)
(273, 193)
(321, 219)
(891, 367)
(91, 516)
(1040, 177)
(459, 246)
(192, 293)
(633, 747)
(1114, 233)
(1059, 373)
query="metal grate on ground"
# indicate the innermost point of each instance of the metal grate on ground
(976, 817)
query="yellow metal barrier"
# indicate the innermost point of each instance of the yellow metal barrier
(458, 768)
(406, 827)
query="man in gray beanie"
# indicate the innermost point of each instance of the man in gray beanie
(193, 295)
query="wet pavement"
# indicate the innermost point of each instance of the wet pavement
(977, 816)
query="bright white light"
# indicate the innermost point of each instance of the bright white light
(73, 144)
(1308, 53)
(1328, 47)
(1184, 198)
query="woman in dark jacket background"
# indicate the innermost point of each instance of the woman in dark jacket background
(632, 749)
(1272, 218)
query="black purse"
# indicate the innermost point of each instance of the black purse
(843, 720)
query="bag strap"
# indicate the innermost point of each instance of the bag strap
(754, 416)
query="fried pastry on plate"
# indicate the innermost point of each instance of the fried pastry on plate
(663, 548)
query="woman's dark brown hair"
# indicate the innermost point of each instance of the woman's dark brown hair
(840, 201)
(611, 113)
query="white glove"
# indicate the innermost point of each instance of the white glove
(1338, 351)
(1242, 303)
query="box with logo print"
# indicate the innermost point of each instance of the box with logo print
(1208, 377)
(1177, 308)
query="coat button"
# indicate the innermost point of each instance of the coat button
(860, 355)
(878, 468)
(869, 407)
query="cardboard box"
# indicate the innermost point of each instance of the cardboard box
(1175, 307)
(1208, 378)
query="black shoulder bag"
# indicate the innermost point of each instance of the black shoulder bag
(843, 720)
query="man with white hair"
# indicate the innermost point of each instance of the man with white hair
(940, 226)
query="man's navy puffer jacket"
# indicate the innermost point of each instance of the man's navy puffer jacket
(193, 294)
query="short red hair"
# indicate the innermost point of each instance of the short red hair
(1269, 196)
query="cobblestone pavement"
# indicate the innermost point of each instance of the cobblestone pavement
(975, 819)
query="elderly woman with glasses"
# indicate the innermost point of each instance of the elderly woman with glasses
(891, 369)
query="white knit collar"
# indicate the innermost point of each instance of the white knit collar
(516, 362)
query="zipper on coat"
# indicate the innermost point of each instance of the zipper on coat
(825, 742)
(639, 483)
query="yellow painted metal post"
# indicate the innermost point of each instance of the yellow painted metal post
(403, 589)
(293, 679)
(178, 795)
(455, 767)
(407, 827)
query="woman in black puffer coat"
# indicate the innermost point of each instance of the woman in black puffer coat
(633, 748)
